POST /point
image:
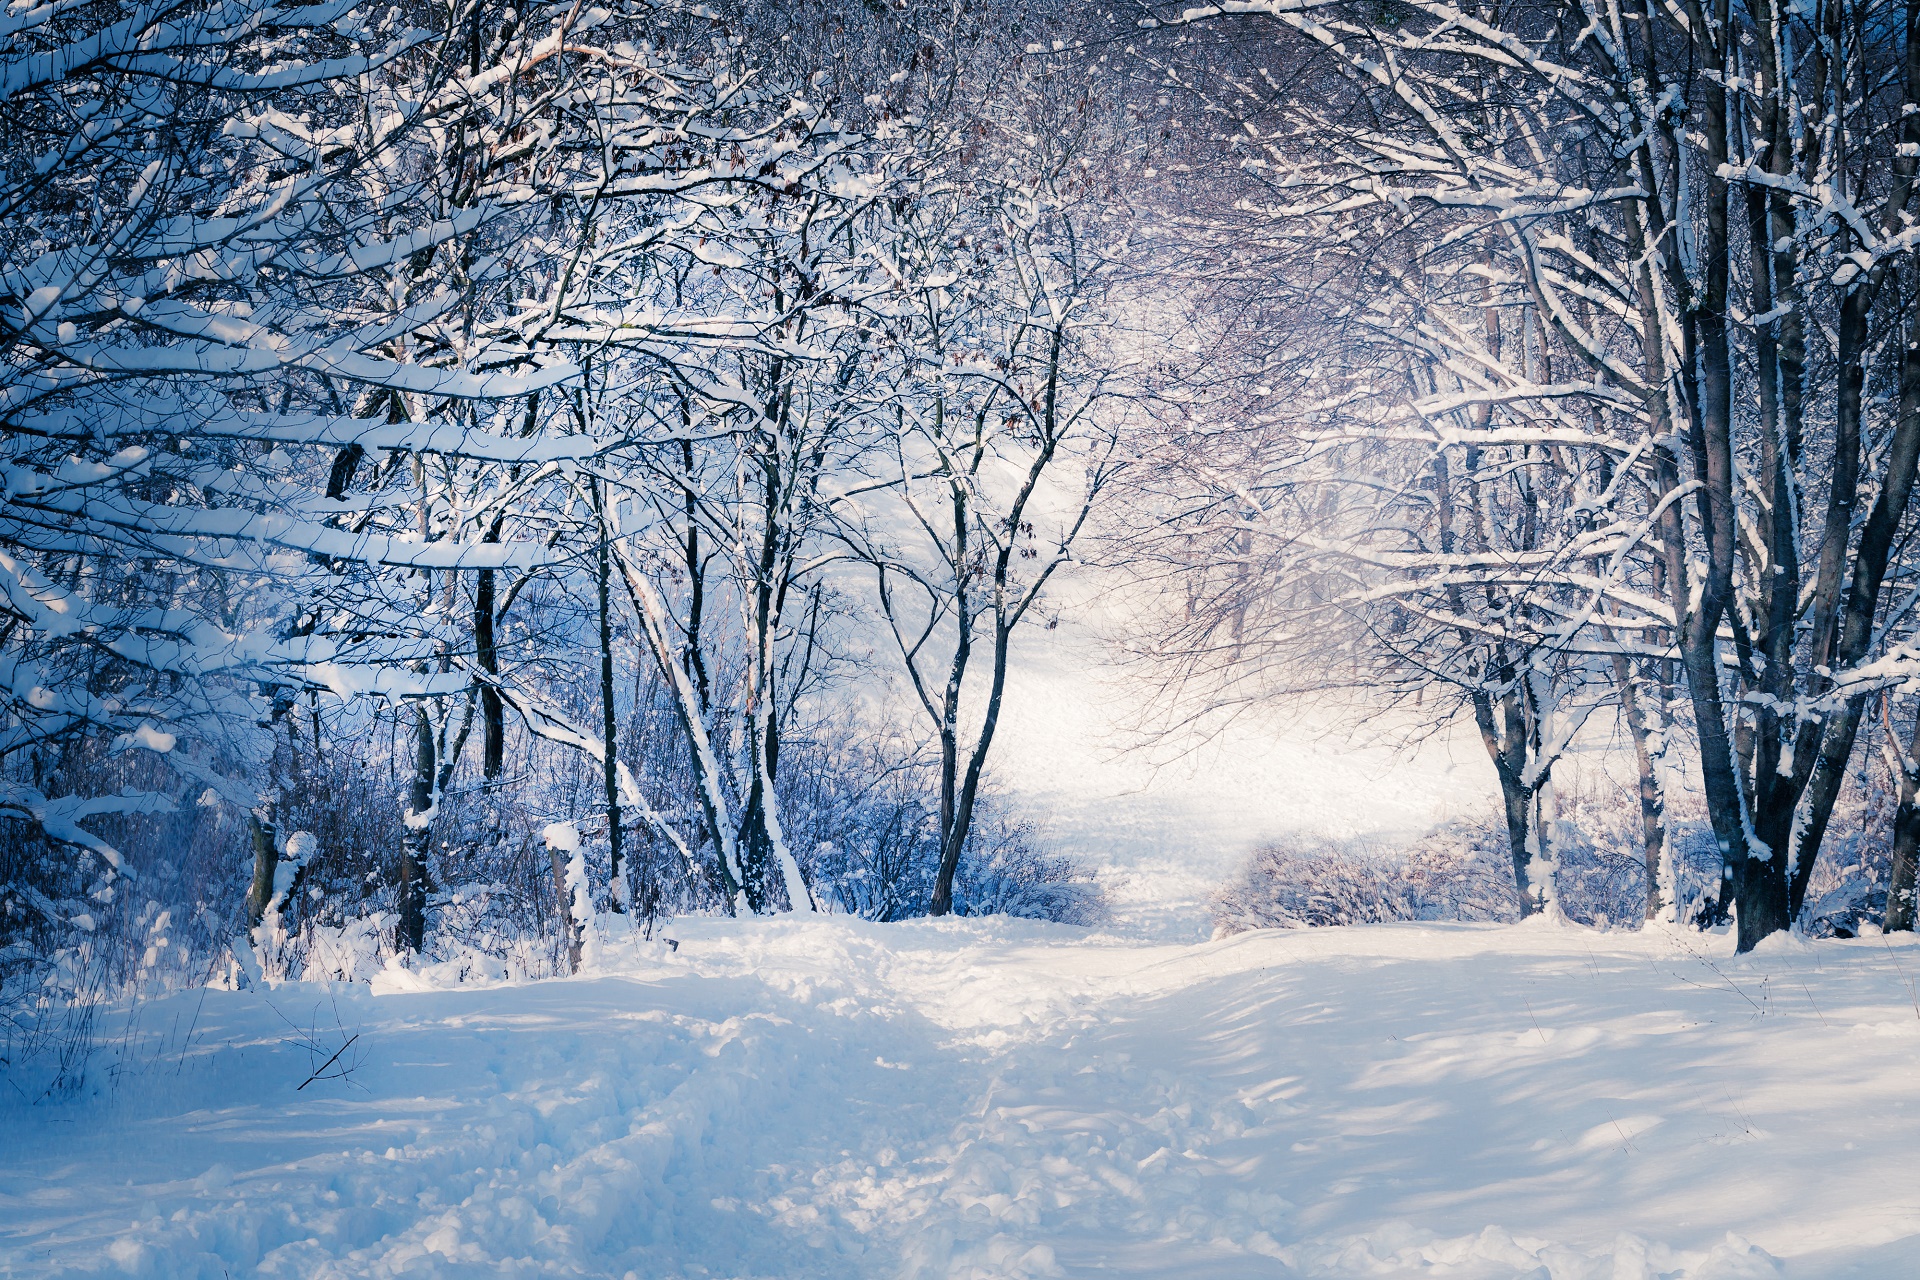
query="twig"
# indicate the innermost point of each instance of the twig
(1904, 979)
(1536, 1021)
(1810, 1000)
(329, 1062)
(1708, 962)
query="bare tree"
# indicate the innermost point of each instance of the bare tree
(1591, 165)
(1005, 390)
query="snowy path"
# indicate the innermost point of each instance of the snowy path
(991, 1099)
(1164, 837)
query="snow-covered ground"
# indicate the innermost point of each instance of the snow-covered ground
(995, 1099)
(1165, 822)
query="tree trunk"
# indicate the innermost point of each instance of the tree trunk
(418, 841)
(1906, 841)
(569, 927)
(1709, 375)
(954, 820)
(1842, 629)
(689, 703)
(756, 846)
(1653, 827)
(610, 753)
(266, 860)
(1906, 833)
(1506, 744)
(493, 710)
(962, 826)
(1855, 627)
(1519, 810)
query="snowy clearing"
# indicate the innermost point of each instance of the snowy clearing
(1165, 826)
(995, 1099)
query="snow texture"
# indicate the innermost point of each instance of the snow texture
(823, 1097)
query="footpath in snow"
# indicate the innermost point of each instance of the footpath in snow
(829, 1098)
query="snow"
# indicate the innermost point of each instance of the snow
(1165, 822)
(818, 1096)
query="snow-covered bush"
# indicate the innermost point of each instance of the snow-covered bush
(75, 932)
(874, 859)
(862, 810)
(875, 841)
(1009, 871)
(1461, 870)
(1455, 873)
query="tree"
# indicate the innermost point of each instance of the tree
(199, 273)
(1559, 150)
(1001, 382)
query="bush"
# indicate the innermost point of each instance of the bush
(875, 847)
(1454, 873)
(1008, 871)
(1463, 871)
(860, 808)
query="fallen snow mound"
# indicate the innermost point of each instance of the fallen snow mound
(829, 1098)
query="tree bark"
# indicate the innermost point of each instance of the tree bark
(1653, 825)
(493, 710)
(569, 927)
(1709, 379)
(955, 818)
(1845, 643)
(609, 720)
(1856, 622)
(1906, 834)
(266, 860)
(1504, 737)
(415, 847)
(962, 825)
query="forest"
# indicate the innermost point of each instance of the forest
(476, 469)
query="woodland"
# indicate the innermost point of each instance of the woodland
(472, 469)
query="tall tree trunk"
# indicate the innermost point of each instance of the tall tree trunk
(609, 720)
(954, 817)
(1671, 568)
(969, 791)
(1772, 791)
(1906, 831)
(1653, 824)
(1006, 615)
(266, 860)
(1708, 374)
(1844, 643)
(418, 842)
(493, 710)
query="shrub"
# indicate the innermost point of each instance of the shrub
(1008, 871)
(1450, 874)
